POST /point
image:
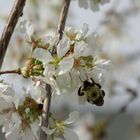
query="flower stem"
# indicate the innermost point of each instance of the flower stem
(15, 13)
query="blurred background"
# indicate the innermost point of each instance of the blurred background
(117, 25)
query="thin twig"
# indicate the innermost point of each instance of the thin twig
(63, 17)
(62, 21)
(15, 13)
(17, 71)
(47, 101)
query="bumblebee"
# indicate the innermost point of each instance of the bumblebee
(92, 91)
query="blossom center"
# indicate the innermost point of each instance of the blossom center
(29, 111)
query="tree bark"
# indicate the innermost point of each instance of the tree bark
(15, 13)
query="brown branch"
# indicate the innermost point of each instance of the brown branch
(17, 71)
(15, 13)
(62, 21)
(63, 17)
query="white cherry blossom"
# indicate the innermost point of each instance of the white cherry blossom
(27, 28)
(81, 128)
(76, 59)
(17, 116)
(62, 128)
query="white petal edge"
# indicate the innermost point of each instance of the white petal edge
(65, 65)
(63, 47)
(70, 134)
(48, 131)
(73, 116)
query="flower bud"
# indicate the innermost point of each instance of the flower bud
(33, 67)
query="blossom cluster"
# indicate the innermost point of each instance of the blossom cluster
(19, 114)
(75, 60)
(72, 64)
(20, 117)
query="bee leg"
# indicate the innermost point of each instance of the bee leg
(103, 93)
(99, 86)
(79, 92)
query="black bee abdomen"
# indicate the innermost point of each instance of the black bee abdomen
(99, 102)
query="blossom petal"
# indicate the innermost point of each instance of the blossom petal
(82, 32)
(16, 119)
(66, 65)
(8, 99)
(63, 47)
(4, 105)
(80, 48)
(70, 135)
(48, 57)
(73, 116)
(103, 64)
(51, 81)
(26, 27)
(6, 89)
(28, 135)
(13, 135)
(48, 131)
(35, 128)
